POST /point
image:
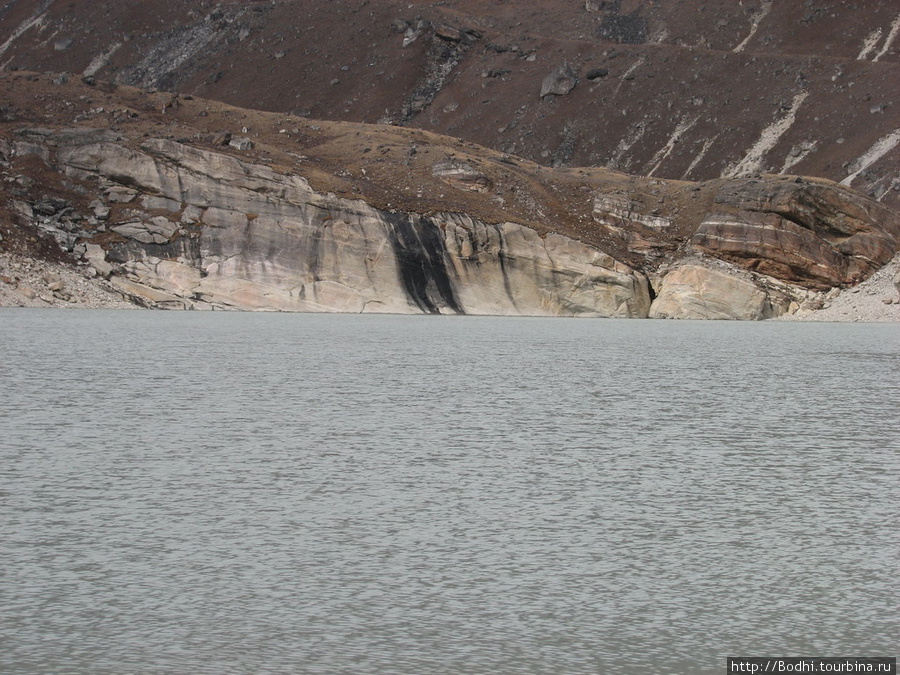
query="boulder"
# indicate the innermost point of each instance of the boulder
(49, 206)
(96, 256)
(157, 230)
(462, 176)
(448, 33)
(560, 82)
(241, 143)
(100, 210)
(695, 291)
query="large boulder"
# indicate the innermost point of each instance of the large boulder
(696, 291)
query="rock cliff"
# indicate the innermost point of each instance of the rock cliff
(315, 216)
(202, 228)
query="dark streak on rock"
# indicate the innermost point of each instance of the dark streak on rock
(421, 261)
(313, 260)
(501, 258)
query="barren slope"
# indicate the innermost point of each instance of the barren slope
(679, 90)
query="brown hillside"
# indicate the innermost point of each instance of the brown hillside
(679, 90)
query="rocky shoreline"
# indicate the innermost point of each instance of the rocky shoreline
(375, 218)
(877, 299)
(27, 282)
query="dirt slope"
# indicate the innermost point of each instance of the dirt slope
(679, 91)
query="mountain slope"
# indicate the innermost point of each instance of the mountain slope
(670, 89)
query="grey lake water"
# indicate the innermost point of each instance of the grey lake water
(282, 493)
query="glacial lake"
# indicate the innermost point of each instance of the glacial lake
(285, 493)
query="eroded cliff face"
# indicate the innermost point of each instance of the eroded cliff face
(201, 228)
(298, 215)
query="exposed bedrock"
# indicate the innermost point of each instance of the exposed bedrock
(815, 233)
(244, 236)
(698, 291)
(181, 226)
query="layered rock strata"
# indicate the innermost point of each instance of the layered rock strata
(243, 236)
(796, 230)
(179, 226)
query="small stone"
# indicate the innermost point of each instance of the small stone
(241, 143)
(888, 301)
(560, 82)
(399, 26)
(448, 33)
(101, 211)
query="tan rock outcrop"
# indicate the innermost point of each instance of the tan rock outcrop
(266, 240)
(216, 229)
(462, 176)
(700, 292)
(621, 213)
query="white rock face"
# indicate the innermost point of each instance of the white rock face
(509, 269)
(698, 292)
(265, 240)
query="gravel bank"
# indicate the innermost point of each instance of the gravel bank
(866, 302)
(26, 282)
